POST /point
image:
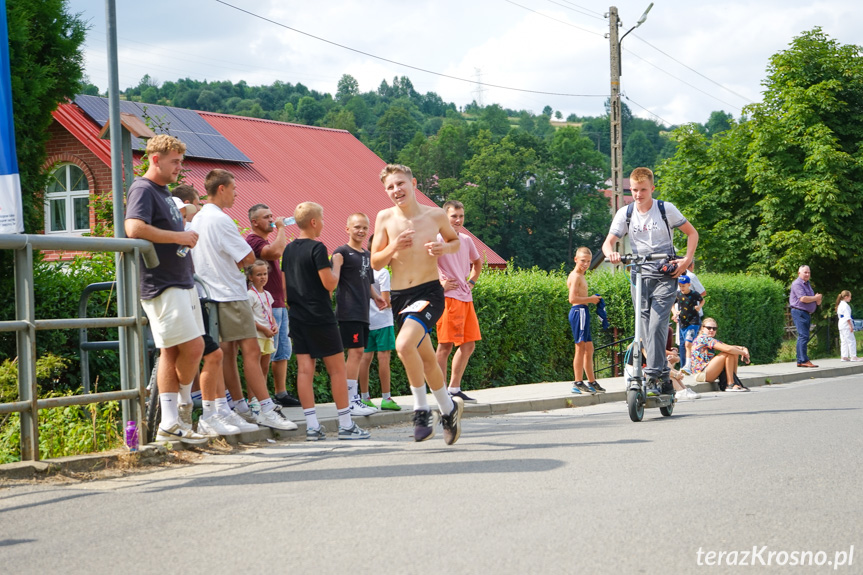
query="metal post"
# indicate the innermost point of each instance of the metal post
(25, 310)
(116, 135)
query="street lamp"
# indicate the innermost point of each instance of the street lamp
(616, 131)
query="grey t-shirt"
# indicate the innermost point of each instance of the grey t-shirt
(647, 232)
(154, 205)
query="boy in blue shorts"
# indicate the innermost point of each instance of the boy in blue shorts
(685, 313)
(579, 320)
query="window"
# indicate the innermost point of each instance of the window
(67, 201)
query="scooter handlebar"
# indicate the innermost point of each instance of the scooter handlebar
(632, 258)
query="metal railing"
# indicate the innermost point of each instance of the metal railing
(616, 355)
(129, 320)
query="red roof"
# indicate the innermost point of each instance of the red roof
(291, 163)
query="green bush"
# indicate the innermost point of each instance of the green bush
(57, 290)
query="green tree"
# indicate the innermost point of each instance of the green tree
(494, 119)
(347, 88)
(309, 111)
(396, 128)
(790, 178)
(718, 122)
(340, 119)
(638, 151)
(46, 68)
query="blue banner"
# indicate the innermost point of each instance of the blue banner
(11, 212)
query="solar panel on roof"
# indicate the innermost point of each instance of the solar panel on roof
(202, 139)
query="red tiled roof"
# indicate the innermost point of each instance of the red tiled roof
(291, 164)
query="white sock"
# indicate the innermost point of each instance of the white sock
(444, 400)
(241, 406)
(353, 385)
(386, 395)
(454, 390)
(222, 406)
(186, 393)
(210, 408)
(197, 395)
(311, 418)
(421, 402)
(345, 421)
(170, 415)
(267, 405)
(366, 395)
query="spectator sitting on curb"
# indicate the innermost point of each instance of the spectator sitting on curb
(708, 364)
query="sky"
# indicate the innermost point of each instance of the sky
(687, 60)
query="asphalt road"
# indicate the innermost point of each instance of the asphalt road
(580, 490)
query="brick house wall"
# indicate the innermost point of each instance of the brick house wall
(64, 148)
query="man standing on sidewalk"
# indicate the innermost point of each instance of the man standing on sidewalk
(263, 223)
(803, 301)
(459, 325)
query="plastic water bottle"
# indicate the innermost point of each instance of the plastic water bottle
(288, 222)
(182, 251)
(132, 436)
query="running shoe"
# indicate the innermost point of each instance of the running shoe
(237, 420)
(464, 397)
(287, 400)
(653, 387)
(595, 385)
(318, 434)
(575, 388)
(425, 422)
(248, 416)
(177, 433)
(185, 411)
(275, 419)
(216, 425)
(369, 403)
(452, 422)
(390, 405)
(584, 387)
(359, 408)
(352, 432)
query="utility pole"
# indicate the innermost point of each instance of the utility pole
(615, 120)
(616, 136)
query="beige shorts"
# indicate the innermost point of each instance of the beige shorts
(175, 317)
(236, 321)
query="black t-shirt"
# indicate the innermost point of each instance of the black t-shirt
(153, 205)
(686, 303)
(308, 299)
(355, 279)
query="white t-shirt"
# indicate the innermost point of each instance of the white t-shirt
(220, 246)
(843, 312)
(379, 319)
(647, 232)
(262, 307)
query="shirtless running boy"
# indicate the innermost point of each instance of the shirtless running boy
(406, 239)
(579, 321)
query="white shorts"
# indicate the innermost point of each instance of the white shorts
(175, 317)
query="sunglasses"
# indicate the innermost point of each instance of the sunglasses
(710, 327)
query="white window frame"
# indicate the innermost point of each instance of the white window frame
(69, 196)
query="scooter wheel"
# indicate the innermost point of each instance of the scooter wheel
(667, 411)
(635, 402)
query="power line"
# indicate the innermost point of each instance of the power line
(681, 80)
(549, 17)
(664, 121)
(694, 70)
(579, 9)
(285, 26)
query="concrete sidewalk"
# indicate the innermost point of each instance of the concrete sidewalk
(496, 401)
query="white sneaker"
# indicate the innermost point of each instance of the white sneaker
(248, 416)
(359, 408)
(692, 394)
(177, 433)
(185, 411)
(216, 425)
(238, 421)
(276, 420)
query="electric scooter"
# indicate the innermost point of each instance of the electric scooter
(636, 383)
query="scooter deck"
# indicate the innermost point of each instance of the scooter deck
(661, 401)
